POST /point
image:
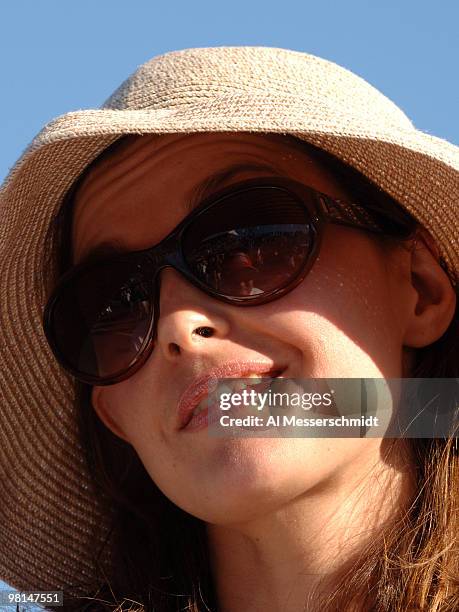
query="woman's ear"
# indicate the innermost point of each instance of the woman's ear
(102, 409)
(434, 299)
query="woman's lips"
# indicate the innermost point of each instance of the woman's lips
(203, 419)
(212, 413)
(199, 389)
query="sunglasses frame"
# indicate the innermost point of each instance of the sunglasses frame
(169, 253)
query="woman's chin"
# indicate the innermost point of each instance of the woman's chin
(249, 479)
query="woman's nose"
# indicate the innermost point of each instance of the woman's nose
(187, 317)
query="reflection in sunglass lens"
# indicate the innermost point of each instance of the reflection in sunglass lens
(102, 318)
(251, 243)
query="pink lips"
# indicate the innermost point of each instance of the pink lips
(200, 388)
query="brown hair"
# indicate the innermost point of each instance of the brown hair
(161, 557)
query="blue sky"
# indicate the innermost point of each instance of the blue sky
(57, 56)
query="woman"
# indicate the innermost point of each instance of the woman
(161, 513)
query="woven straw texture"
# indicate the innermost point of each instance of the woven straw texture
(49, 512)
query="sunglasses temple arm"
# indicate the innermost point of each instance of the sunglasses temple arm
(350, 215)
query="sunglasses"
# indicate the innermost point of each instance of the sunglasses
(247, 245)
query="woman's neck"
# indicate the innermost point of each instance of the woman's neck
(276, 560)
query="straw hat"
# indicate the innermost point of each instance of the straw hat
(48, 510)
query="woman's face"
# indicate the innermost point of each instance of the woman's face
(346, 319)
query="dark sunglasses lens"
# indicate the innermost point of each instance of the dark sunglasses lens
(251, 243)
(101, 319)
